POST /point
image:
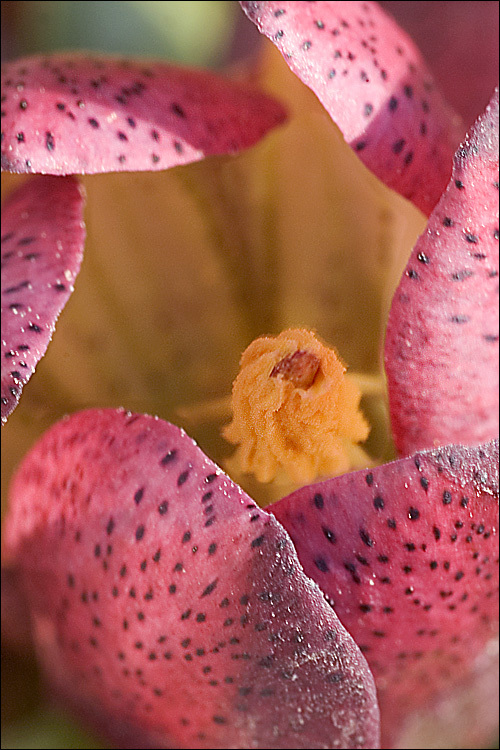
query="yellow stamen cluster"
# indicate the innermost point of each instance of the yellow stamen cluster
(294, 409)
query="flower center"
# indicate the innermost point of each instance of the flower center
(301, 368)
(295, 412)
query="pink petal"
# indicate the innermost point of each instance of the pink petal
(441, 350)
(42, 248)
(407, 553)
(372, 80)
(164, 598)
(466, 716)
(67, 114)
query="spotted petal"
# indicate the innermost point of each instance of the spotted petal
(373, 82)
(42, 247)
(88, 114)
(408, 556)
(156, 586)
(441, 350)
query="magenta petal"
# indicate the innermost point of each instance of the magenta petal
(441, 349)
(162, 596)
(372, 80)
(408, 555)
(42, 247)
(85, 114)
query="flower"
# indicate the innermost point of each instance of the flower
(109, 505)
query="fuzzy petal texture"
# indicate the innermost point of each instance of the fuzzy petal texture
(86, 114)
(155, 584)
(42, 248)
(441, 349)
(373, 82)
(407, 554)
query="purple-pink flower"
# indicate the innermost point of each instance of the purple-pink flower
(167, 608)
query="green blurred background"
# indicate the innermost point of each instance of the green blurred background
(200, 33)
